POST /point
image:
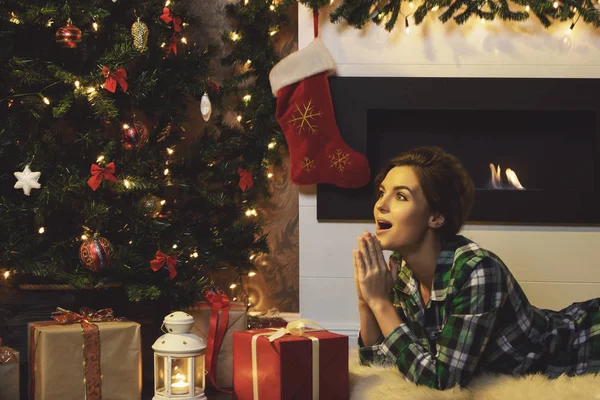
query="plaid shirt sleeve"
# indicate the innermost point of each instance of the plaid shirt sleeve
(464, 336)
(372, 355)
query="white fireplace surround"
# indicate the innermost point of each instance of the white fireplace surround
(555, 265)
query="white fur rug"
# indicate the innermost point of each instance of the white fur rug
(380, 383)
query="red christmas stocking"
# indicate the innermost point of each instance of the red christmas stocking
(318, 154)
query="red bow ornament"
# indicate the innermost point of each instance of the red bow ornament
(161, 259)
(168, 17)
(246, 181)
(112, 78)
(99, 173)
(172, 47)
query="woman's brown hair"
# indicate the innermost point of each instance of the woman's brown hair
(446, 184)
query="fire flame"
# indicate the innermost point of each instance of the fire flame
(511, 176)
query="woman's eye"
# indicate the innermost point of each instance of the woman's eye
(400, 196)
(380, 195)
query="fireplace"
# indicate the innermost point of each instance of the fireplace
(532, 146)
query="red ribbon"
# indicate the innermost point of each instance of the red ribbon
(99, 173)
(86, 314)
(160, 260)
(168, 17)
(112, 78)
(172, 47)
(218, 301)
(246, 181)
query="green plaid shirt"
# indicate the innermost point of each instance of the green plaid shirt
(478, 319)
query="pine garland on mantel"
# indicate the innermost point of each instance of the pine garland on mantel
(357, 13)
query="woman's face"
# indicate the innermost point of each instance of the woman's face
(401, 212)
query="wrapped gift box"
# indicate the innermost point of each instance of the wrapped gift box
(56, 361)
(287, 368)
(9, 373)
(238, 321)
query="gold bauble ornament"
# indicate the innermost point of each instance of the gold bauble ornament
(139, 31)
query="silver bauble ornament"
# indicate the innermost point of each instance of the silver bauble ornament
(205, 106)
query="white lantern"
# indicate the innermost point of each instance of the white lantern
(179, 360)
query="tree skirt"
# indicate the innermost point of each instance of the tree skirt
(382, 383)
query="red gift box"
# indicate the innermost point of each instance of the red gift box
(288, 368)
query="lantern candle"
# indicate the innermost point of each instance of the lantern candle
(180, 386)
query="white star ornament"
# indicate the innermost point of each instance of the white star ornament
(27, 180)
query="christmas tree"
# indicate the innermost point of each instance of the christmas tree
(97, 187)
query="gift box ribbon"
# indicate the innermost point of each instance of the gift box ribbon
(216, 333)
(91, 345)
(295, 328)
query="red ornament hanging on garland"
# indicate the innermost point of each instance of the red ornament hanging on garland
(68, 36)
(134, 135)
(96, 253)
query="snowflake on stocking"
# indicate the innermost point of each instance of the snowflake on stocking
(308, 164)
(304, 118)
(339, 160)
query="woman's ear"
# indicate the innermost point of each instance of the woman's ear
(436, 220)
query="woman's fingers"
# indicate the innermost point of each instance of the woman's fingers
(375, 253)
(360, 265)
(379, 252)
(363, 252)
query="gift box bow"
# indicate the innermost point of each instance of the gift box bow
(63, 316)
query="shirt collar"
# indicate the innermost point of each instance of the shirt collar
(407, 284)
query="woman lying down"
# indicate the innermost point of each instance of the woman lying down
(444, 309)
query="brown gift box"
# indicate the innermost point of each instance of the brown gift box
(9, 373)
(57, 361)
(238, 321)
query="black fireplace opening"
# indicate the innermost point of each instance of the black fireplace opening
(531, 146)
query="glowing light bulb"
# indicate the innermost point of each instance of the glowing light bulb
(95, 26)
(273, 32)
(272, 7)
(232, 286)
(271, 145)
(41, 230)
(235, 36)
(435, 8)
(170, 151)
(527, 8)
(84, 237)
(46, 100)
(100, 158)
(166, 171)
(270, 175)
(555, 4)
(174, 246)
(247, 98)
(162, 202)
(126, 183)
(77, 84)
(239, 118)
(251, 274)
(6, 274)
(184, 40)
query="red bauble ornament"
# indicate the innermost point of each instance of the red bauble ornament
(134, 135)
(96, 253)
(68, 36)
